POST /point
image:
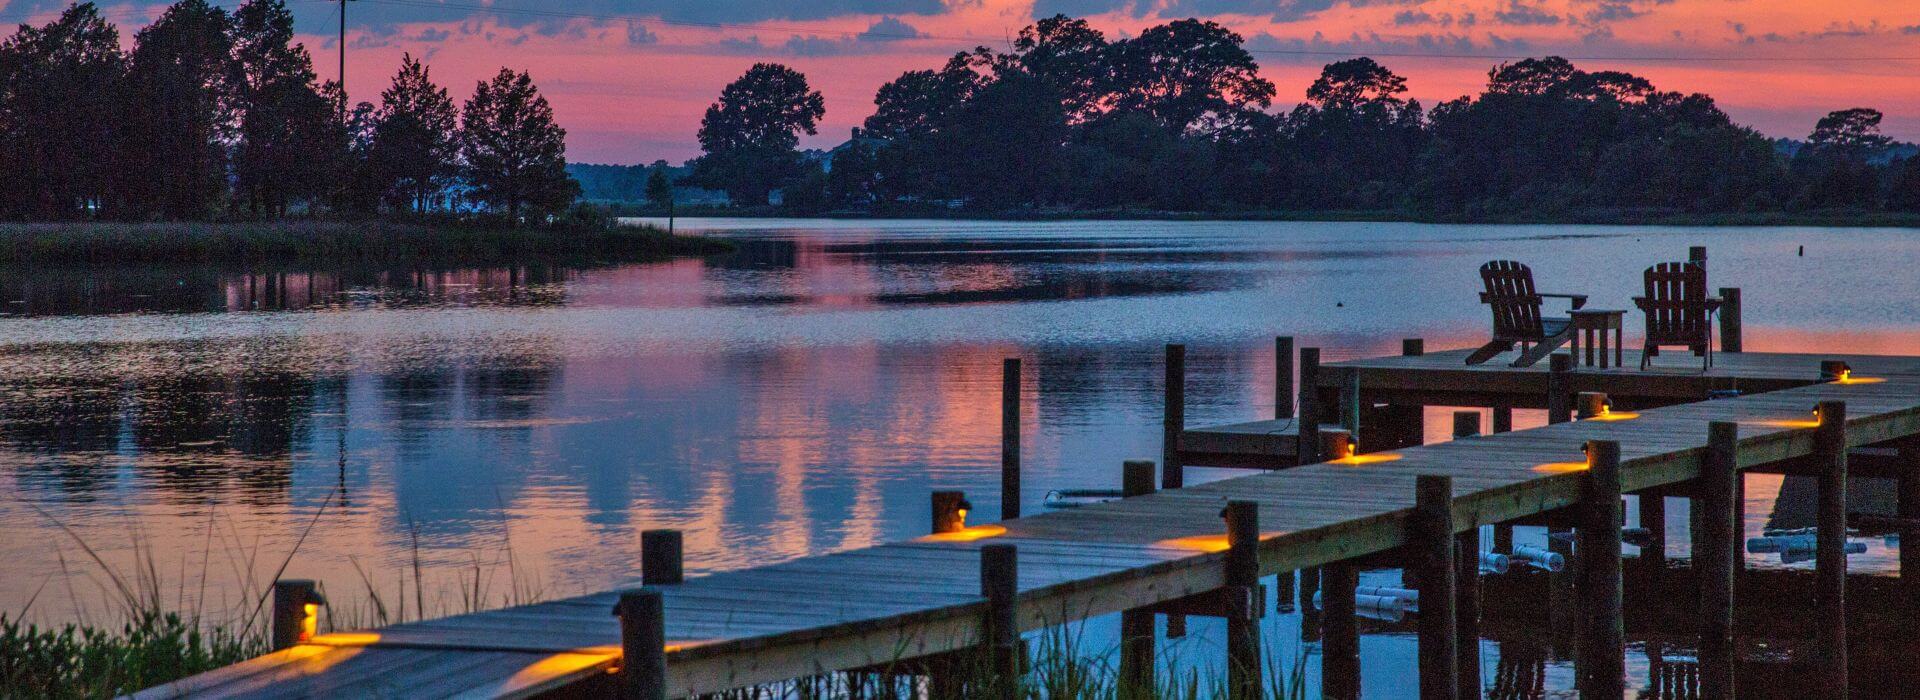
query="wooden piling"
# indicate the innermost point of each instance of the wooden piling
(1010, 439)
(1173, 418)
(1242, 580)
(1432, 544)
(1502, 419)
(1830, 557)
(1730, 319)
(1653, 517)
(1307, 447)
(294, 612)
(1560, 367)
(1466, 566)
(1466, 424)
(1697, 254)
(1502, 532)
(1410, 420)
(1283, 389)
(1601, 665)
(1340, 626)
(1716, 542)
(1590, 404)
(949, 512)
(662, 557)
(1350, 411)
(1000, 630)
(1909, 510)
(1137, 633)
(643, 644)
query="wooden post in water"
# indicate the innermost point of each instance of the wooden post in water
(1558, 408)
(296, 605)
(1432, 546)
(1350, 415)
(1909, 510)
(1242, 584)
(662, 557)
(1137, 634)
(949, 512)
(1653, 517)
(1173, 418)
(1716, 543)
(643, 644)
(1502, 419)
(1340, 641)
(1830, 556)
(1730, 319)
(1410, 420)
(1283, 377)
(1466, 566)
(1466, 424)
(1601, 665)
(1307, 447)
(1502, 532)
(1010, 439)
(1000, 630)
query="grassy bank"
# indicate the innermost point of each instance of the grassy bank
(323, 242)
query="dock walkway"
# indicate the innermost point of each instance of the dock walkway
(875, 605)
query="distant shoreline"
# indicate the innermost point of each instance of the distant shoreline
(312, 242)
(1826, 219)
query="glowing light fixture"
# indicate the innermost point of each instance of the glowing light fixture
(1197, 543)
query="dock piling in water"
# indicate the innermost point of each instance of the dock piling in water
(1830, 557)
(1730, 319)
(1432, 547)
(1716, 543)
(1000, 629)
(1601, 666)
(1466, 567)
(1909, 511)
(1340, 632)
(1010, 439)
(1242, 581)
(1137, 633)
(1466, 424)
(662, 558)
(1173, 418)
(1283, 377)
(1559, 366)
(1307, 446)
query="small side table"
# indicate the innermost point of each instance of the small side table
(1594, 324)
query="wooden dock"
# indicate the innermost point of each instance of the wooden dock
(874, 606)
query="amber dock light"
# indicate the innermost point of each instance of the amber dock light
(296, 612)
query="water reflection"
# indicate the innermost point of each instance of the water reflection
(800, 395)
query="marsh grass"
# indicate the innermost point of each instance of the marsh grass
(298, 241)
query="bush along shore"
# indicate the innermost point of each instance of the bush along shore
(579, 239)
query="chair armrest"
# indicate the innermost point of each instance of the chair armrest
(1640, 303)
(1713, 303)
(1578, 300)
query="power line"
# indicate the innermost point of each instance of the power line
(809, 31)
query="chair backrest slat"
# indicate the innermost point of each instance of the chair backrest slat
(1676, 304)
(1514, 300)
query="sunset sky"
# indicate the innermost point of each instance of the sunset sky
(629, 79)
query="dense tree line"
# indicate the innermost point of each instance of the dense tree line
(1179, 118)
(220, 114)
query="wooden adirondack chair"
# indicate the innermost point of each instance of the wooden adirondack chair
(1516, 315)
(1678, 310)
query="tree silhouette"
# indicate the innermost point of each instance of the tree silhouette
(413, 149)
(179, 114)
(750, 134)
(60, 92)
(292, 141)
(516, 155)
(1188, 75)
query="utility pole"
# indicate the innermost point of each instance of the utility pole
(343, 59)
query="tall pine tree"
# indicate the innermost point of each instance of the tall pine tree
(413, 150)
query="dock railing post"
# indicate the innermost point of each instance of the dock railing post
(1466, 424)
(1830, 557)
(1558, 389)
(1601, 666)
(1000, 630)
(1242, 584)
(1137, 634)
(1433, 551)
(949, 512)
(1307, 447)
(1716, 543)
(1340, 629)
(1173, 418)
(296, 604)
(1010, 439)
(643, 644)
(662, 557)
(1283, 377)
(1730, 319)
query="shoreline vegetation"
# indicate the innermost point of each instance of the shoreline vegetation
(1586, 217)
(416, 241)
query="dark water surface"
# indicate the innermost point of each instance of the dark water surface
(442, 437)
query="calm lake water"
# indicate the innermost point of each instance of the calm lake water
(438, 437)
